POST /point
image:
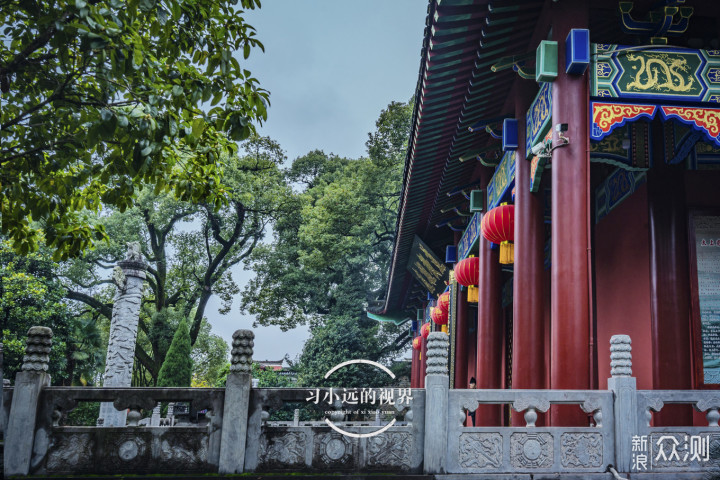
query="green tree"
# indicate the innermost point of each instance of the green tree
(267, 378)
(332, 256)
(328, 262)
(344, 338)
(190, 249)
(176, 370)
(209, 357)
(31, 295)
(101, 98)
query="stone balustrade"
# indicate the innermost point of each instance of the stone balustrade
(423, 433)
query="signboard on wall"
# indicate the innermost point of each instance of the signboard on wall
(502, 181)
(427, 268)
(469, 237)
(707, 254)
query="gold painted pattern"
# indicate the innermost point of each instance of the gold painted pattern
(606, 115)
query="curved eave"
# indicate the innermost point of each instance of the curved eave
(456, 89)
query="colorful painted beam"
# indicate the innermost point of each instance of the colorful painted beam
(659, 75)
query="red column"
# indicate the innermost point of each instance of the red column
(423, 358)
(488, 370)
(669, 286)
(570, 300)
(528, 353)
(413, 369)
(461, 327)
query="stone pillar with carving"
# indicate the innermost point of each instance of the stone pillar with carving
(624, 388)
(437, 384)
(2, 405)
(129, 277)
(29, 381)
(237, 402)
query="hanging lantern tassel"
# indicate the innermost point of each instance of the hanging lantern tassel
(498, 226)
(444, 328)
(507, 252)
(472, 294)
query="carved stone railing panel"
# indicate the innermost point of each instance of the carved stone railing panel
(530, 449)
(678, 448)
(127, 450)
(317, 447)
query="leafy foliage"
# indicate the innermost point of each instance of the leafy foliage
(330, 258)
(102, 98)
(209, 357)
(176, 370)
(190, 249)
(328, 262)
(267, 378)
(345, 338)
(31, 295)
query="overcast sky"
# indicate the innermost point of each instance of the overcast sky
(331, 66)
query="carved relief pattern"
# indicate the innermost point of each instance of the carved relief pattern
(707, 403)
(187, 451)
(389, 450)
(669, 450)
(525, 402)
(123, 333)
(287, 450)
(70, 453)
(531, 450)
(480, 450)
(334, 450)
(581, 450)
(127, 452)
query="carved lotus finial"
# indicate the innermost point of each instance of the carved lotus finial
(242, 351)
(37, 350)
(621, 356)
(437, 353)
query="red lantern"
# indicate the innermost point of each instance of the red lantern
(439, 316)
(443, 302)
(467, 271)
(425, 330)
(498, 226)
(417, 343)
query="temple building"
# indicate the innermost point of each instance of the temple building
(562, 185)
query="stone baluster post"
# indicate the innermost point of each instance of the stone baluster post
(2, 401)
(624, 388)
(129, 276)
(437, 384)
(29, 381)
(237, 402)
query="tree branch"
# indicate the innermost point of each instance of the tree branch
(104, 308)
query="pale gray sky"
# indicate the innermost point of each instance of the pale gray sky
(331, 66)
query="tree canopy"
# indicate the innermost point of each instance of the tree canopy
(104, 98)
(190, 249)
(328, 262)
(331, 257)
(30, 294)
